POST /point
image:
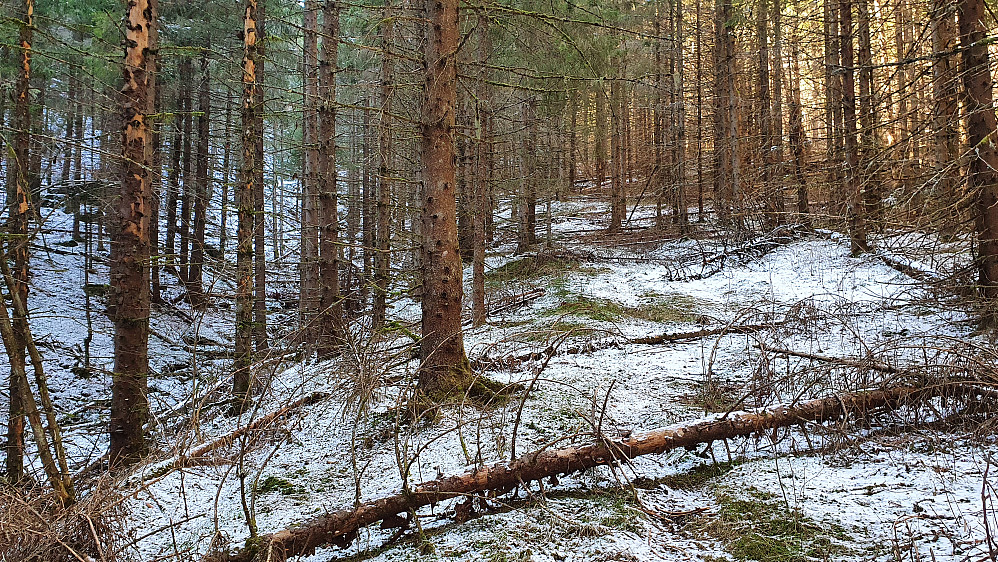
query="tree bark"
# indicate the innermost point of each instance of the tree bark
(19, 209)
(195, 285)
(340, 528)
(223, 228)
(444, 366)
(382, 255)
(946, 91)
(309, 275)
(853, 187)
(187, 166)
(245, 194)
(983, 166)
(130, 250)
(330, 321)
(261, 343)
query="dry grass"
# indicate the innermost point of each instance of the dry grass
(35, 528)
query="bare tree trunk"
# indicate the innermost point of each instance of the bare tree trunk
(195, 286)
(173, 190)
(19, 206)
(983, 166)
(259, 214)
(223, 228)
(679, 148)
(156, 167)
(483, 115)
(445, 367)
(130, 249)
(382, 256)
(869, 183)
(242, 379)
(616, 157)
(309, 274)
(600, 132)
(779, 170)
(797, 127)
(853, 188)
(946, 91)
(330, 321)
(528, 197)
(700, 87)
(187, 164)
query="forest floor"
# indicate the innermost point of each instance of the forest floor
(910, 485)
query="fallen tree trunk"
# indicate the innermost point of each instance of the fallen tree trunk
(707, 332)
(856, 363)
(341, 527)
(512, 361)
(199, 454)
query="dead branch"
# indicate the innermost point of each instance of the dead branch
(200, 454)
(707, 332)
(856, 363)
(341, 527)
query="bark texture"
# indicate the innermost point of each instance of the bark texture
(983, 165)
(241, 381)
(130, 249)
(444, 363)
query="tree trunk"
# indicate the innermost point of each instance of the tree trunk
(853, 188)
(261, 343)
(309, 274)
(771, 193)
(156, 163)
(444, 369)
(223, 228)
(679, 147)
(242, 380)
(187, 165)
(195, 286)
(869, 183)
(382, 256)
(946, 91)
(797, 128)
(130, 248)
(616, 157)
(331, 316)
(19, 205)
(528, 197)
(173, 190)
(983, 166)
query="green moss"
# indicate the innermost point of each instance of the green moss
(532, 267)
(280, 485)
(663, 309)
(757, 526)
(694, 479)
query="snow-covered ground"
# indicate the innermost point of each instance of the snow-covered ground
(864, 494)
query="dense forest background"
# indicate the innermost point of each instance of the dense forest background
(204, 198)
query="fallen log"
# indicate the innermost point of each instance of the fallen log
(199, 454)
(855, 363)
(340, 528)
(511, 361)
(705, 333)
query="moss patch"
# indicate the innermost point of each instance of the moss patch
(661, 309)
(279, 485)
(694, 479)
(759, 527)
